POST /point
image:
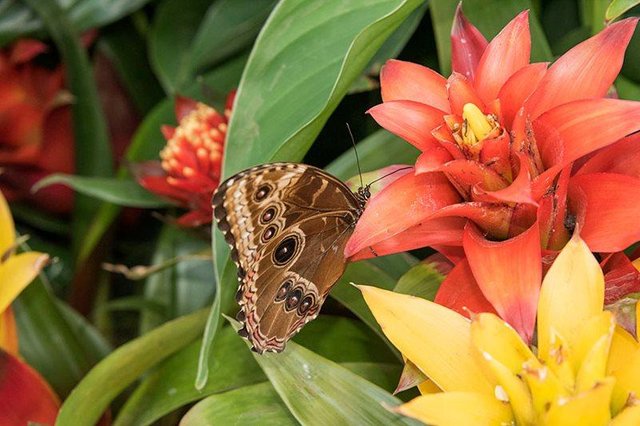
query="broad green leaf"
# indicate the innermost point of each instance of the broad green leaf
(257, 405)
(490, 16)
(344, 340)
(182, 288)
(170, 386)
(423, 280)
(320, 392)
(395, 265)
(302, 64)
(361, 273)
(92, 147)
(229, 27)
(618, 7)
(378, 150)
(17, 20)
(56, 344)
(121, 192)
(112, 375)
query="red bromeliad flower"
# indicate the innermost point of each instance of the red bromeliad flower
(191, 161)
(513, 156)
(35, 119)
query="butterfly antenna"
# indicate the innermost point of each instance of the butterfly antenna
(389, 174)
(353, 142)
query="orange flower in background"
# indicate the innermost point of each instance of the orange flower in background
(36, 136)
(513, 156)
(191, 161)
(25, 397)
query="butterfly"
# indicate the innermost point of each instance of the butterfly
(287, 225)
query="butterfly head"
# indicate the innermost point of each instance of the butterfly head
(363, 194)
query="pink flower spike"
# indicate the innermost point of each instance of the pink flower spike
(509, 273)
(400, 80)
(586, 71)
(508, 52)
(467, 45)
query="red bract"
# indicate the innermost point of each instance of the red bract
(36, 137)
(191, 161)
(25, 397)
(516, 153)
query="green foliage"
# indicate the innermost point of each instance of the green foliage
(157, 349)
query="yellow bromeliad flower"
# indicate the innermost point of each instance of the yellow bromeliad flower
(16, 272)
(585, 370)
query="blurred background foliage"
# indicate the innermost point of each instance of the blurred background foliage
(133, 348)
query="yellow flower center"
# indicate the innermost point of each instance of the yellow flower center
(476, 126)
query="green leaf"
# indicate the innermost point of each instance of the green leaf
(618, 7)
(170, 40)
(18, 20)
(627, 89)
(320, 49)
(251, 405)
(390, 49)
(121, 192)
(113, 374)
(423, 280)
(378, 150)
(126, 49)
(281, 105)
(187, 41)
(170, 386)
(320, 392)
(183, 288)
(344, 340)
(490, 16)
(362, 273)
(92, 147)
(57, 344)
(229, 27)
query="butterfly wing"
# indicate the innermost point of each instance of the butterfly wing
(287, 225)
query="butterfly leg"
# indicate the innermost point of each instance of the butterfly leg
(373, 251)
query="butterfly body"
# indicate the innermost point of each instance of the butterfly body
(287, 225)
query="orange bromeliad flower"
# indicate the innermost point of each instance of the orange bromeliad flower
(191, 161)
(513, 156)
(36, 138)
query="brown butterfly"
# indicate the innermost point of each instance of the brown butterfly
(287, 225)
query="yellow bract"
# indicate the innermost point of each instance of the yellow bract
(16, 272)
(586, 370)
